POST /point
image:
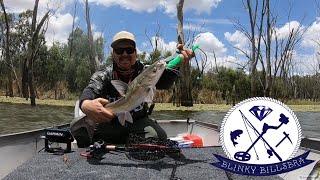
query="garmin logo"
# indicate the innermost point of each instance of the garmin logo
(55, 134)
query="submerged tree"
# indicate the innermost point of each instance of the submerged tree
(185, 80)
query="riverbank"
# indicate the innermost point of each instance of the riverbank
(303, 106)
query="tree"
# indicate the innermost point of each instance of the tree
(80, 64)
(33, 45)
(7, 51)
(72, 30)
(55, 66)
(185, 82)
(94, 62)
(276, 60)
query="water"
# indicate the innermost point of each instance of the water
(19, 117)
(22, 117)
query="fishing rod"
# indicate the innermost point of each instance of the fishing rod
(140, 151)
(176, 59)
(139, 148)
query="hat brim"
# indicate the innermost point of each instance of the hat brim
(113, 44)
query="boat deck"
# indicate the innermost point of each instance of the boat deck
(193, 164)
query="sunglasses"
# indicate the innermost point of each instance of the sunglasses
(120, 51)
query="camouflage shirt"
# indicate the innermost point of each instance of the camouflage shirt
(100, 86)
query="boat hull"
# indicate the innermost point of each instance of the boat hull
(15, 149)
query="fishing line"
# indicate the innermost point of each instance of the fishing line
(245, 124)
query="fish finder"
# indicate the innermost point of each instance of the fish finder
(59, 136)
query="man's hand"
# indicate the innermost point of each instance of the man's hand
(95, 111)
(186, 54)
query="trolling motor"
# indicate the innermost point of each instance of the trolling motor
(59, 136)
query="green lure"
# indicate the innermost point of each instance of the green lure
(177, 59)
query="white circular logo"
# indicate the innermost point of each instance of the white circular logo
(260, 131)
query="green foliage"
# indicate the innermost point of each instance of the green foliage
(80, 45)
(70, 74)
(55, 66)
(142, 57)
(155, 56)
(167, 54)
(70, 63)
(223, 81)
(83, 75)
(108, 61)
(209, 81)
(195, 78)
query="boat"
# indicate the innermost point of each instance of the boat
(22, 157)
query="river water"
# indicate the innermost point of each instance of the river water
(20, 117)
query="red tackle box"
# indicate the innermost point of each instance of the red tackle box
(197, 140)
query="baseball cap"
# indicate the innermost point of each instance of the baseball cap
(123, 36)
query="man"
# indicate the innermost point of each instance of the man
(100, 92)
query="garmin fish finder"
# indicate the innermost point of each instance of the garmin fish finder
(59, 136)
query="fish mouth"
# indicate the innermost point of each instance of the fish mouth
(161, 64)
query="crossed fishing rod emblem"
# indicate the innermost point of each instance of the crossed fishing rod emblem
(260, 112)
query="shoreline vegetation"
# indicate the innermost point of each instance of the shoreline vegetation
(293, 105)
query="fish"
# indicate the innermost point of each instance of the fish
(141, 89)
(234, 135)
(315, 173)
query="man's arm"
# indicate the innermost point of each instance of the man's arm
(94, 88)
(167, 79)
(91, 102)
(171, 74)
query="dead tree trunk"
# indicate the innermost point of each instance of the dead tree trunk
(7, 51)
(268, 52)
(185, 82)
(253, 60)
(72, 30)
(95, 64)
(32, 51)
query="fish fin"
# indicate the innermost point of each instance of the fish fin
(150, 95)
(123, 117)
(120, 86)
(83, 122)
(128, 117)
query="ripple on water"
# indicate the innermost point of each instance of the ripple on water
(21, 117)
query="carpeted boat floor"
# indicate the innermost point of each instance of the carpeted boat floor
(194, 163)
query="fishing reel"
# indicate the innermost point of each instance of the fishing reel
(59, 136)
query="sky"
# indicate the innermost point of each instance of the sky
(210, 21)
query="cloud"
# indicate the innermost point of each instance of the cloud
(18, 6)
(305, 64)
(209, 43)
(59, 28)
(164, 46)
(137, 5)
(210, 21)
(285, 30)
(169, 6)
(311, 38)
(194, 28)
(238, 40)
(60, 24)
